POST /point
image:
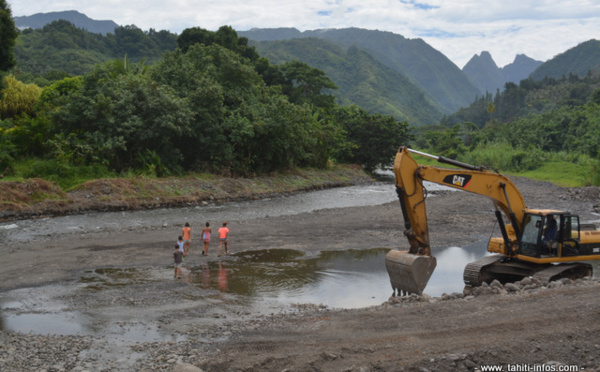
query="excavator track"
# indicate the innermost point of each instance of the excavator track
(505, 270)
(475, 272)
(572, 271)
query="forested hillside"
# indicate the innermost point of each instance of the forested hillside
(429, 69)
(362, 80)
(530, 97)
(548, 129)
(578, 60)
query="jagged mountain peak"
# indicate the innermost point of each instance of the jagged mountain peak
(483, 59)
(483, 72)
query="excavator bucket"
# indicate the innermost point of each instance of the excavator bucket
(409, 273)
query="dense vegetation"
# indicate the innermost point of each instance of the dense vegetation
(530, 97)
(578, 60)
(60, 49)
(8, 34)
(212, 104)
(80, 105)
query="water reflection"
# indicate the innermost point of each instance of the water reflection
(337, 279)
(448, 275)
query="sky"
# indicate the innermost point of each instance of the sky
(540, 29)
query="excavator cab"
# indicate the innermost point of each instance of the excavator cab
(551, 234)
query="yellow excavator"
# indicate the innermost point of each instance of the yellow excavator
(542, 243)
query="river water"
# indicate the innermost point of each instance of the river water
(265, 280)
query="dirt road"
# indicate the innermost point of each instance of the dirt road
(550, 326)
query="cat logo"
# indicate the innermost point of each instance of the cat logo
(458, 180)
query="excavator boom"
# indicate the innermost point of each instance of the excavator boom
(411, 270)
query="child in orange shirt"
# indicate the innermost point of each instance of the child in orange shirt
(223, 231)
(187, 238)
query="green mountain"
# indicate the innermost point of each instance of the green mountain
(577, 60)
(423, 65)
(39, 20)
(361, 79)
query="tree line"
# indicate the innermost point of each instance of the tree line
(211, 104)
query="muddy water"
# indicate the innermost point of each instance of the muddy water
(260, 281)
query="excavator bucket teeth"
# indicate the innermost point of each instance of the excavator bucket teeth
(409, 273)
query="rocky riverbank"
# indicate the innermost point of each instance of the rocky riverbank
(34, 198)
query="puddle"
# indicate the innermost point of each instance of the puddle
(336, 279)
(261, 281)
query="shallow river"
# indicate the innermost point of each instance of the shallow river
(264, 280)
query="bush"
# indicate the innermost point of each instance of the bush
(504, 157)
(64, 174)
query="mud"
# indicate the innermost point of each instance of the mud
(549, 326)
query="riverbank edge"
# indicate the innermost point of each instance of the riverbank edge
(36, 198)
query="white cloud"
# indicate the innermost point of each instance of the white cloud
(540, 29)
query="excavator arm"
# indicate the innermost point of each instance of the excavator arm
(410, 270)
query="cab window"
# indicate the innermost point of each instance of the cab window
(531, 234)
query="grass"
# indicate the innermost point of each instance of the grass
(561, 173)
(565, 170)
(64, 175)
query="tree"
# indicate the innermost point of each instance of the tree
(195, 35)
(305, 84)
(225, 36)
(376, 137)
(132, 41)
(18, 98)
(8, 35)
(127, 118)
(241, 125)
(595, 97)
